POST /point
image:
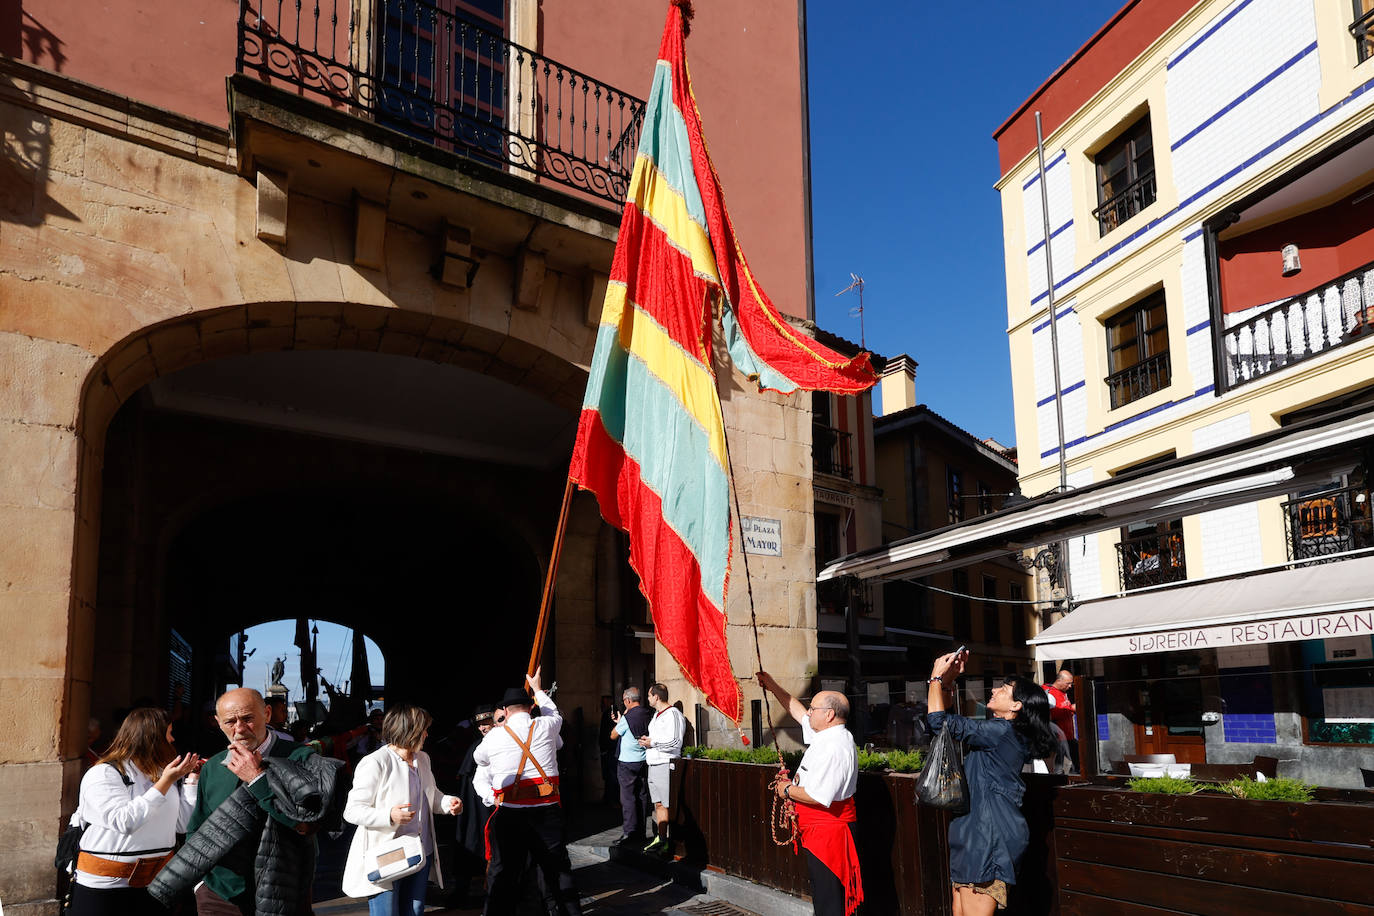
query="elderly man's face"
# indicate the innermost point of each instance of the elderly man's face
(242, 716)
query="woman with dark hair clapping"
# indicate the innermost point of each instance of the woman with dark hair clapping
(133, 802)
(986, 844)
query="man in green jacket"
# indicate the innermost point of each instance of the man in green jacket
(228, 889)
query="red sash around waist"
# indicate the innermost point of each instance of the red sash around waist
(527, 793)
(824, 832)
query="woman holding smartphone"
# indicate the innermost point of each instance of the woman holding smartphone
(394, 794)
(986, 844)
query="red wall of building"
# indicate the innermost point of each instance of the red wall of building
(744, 59)
(1331, 241)
(173, 54)
(1092, 66)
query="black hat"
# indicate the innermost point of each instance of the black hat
(516, 696)
(483, 713)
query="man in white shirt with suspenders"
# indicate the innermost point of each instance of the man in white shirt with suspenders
(522, 754)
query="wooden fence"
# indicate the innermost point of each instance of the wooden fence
(1094, 849)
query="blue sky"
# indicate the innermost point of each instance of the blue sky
(334, 655)
(904, 100)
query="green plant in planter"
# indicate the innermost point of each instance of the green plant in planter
(765, 756)
(869, 761)
(1164, 785)
(1280, 788)
(905, 761)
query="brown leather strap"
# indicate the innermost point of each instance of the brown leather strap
(139, 872)
(525, 752)
(545, 788)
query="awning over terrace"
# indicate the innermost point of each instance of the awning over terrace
(1321, 601)
(1275, 463)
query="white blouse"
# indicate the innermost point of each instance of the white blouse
(122, 819)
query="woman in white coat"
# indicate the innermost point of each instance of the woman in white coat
(394, 794)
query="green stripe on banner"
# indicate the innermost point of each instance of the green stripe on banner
(672, 451)
(664, 142)
(746, 360)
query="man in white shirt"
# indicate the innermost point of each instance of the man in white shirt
(528, 822)
(823, 792)
(662, 745)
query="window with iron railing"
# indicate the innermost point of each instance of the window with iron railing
(831, 451)
(1328, 522)
(1363, 29)
(446, 73)
(1138, 351)
(1151, 555)
(955, 494)
(1125, 176)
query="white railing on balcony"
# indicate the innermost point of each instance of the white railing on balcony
(1332, 315)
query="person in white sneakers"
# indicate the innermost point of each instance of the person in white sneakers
(662, 745)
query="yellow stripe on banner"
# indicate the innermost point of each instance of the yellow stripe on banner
(657, 200)
(688, 379)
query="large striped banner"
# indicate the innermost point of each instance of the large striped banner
(651, 439)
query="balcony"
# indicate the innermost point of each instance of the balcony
(1363, 31)
(831, 451)
(1145, 377)
(1330, 522)
(449, 82)
(1332, 315)
(1151, 559)
(1120, 207)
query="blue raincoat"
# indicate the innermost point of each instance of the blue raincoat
(987, 843)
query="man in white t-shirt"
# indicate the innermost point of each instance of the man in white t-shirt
(823, 791)
(662, 745)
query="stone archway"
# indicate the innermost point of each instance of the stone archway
(150, 359)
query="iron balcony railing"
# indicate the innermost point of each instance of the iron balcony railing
(1332, 315)
(1120, 207)
(449, 81)
(1332, 521)
(1363, 31)
(1143, 378)
(831, 451)
(1151, 559)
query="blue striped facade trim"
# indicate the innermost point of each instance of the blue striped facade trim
(1269, 78)
(1200, 326)
(1041, 244)
(1309, 123)
(1069, 390)
(1046, 322)
(1209, 33)
(1195, 234)
(1120, 423)
(1048, 165)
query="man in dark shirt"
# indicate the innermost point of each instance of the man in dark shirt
(632, 771)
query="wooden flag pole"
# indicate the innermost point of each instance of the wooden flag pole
(541, 628)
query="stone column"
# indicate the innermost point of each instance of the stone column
(44, 671)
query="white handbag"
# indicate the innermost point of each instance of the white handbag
(398, 857)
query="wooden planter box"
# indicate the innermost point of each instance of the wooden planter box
(723, 815)
(1137, 854)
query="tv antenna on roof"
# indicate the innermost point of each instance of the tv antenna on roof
(858, 310)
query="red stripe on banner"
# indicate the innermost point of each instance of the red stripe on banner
(685, 622)
(660, 281)
(800, 358)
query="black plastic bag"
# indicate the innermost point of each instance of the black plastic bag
(942, 783)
